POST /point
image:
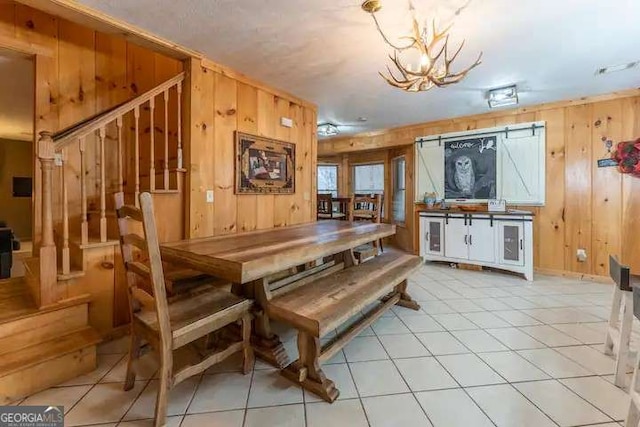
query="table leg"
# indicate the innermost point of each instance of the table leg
(306, 370)
(266, 344)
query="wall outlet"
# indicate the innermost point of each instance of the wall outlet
(581, 255)
(209, 196)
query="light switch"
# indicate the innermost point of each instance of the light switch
(209, 196)
(286, 122)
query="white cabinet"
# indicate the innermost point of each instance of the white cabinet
(499, 240)
(432, 230)
(511, 243)
(456, 237)
(482, 238)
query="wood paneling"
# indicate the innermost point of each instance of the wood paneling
(219, 106)
(591, 208)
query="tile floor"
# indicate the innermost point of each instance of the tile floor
(487, 349)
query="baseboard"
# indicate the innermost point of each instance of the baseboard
(574, 275)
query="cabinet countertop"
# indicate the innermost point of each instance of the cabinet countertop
(509, 212)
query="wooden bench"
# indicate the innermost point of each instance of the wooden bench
(317, 307)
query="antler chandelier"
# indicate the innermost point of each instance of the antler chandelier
(431, 46)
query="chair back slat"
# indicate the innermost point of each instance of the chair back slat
(149, 248)
(366, 207)
(325, 203)
(619, 273)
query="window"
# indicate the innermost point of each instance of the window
(368, 179)
(328, 179)
(398, 201)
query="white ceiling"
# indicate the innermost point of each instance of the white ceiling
(16, 97)
(329, 51)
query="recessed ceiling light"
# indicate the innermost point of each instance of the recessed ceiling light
(501, 97)
(328, 129)
(362, 119)
(614, 68)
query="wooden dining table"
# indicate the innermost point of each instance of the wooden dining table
(255, 262)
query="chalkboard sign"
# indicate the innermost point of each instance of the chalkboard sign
(607, 163)
(470, 168)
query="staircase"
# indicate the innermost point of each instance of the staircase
(42, 347)
(74, 290)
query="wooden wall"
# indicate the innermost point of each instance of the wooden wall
(597, 209)
(221, 104)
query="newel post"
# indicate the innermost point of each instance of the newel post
(48, 261)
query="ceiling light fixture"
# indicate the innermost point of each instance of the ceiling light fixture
(328, 129)
(619, 67)
(427, 44)
(501, 97)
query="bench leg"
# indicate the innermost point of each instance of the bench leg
(306, 370)
(613, 321)
(622, 358)
(405, 298)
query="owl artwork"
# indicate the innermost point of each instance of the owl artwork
(464, 176)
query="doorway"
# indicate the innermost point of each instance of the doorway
(17, 94)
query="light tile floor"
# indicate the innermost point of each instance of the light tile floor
(487, 349)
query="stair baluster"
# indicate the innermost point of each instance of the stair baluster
(66, 259)
(84, 231)
(152, 145)
(166, 139)
(103, 189)
(179, 89)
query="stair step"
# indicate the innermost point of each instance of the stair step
(95, 243)
(15, 299)
(46, 364)
(170, 191)
(73, 274)
(43, 351)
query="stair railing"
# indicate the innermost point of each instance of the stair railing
(56, 150)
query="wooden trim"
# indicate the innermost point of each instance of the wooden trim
(228, 72)
(24, 47)
(80, 14)
(404, 135)
(573, 275)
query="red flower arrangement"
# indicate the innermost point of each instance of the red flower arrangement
(627, 155)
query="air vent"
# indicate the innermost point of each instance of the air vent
(615, 68)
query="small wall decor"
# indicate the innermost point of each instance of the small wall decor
(627, 155)
(264, 165)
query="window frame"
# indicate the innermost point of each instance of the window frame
(337, 168)
(394, 178)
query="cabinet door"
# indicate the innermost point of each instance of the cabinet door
(482, 237)
(434, 236)
(456, 238)
(511, 243)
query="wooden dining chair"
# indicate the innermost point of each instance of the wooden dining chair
(367, 208)
(619, 333)
(180, 325)
(325, 206)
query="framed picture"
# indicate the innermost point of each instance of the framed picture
(264, 165)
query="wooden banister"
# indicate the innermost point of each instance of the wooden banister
(102, 120)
